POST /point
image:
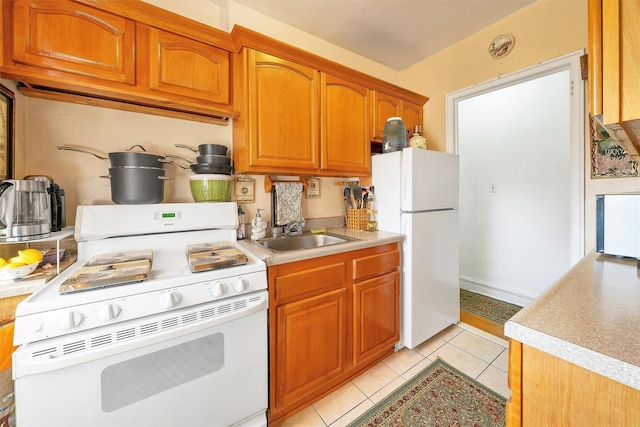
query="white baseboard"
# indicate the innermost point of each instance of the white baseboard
(502, 294)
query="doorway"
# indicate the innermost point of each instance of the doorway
(520, 139)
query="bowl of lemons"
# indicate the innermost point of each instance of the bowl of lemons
(21, 265)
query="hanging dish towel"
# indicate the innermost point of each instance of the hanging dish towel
(288, 202)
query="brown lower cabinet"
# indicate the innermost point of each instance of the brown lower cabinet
(330, 318)
(549, 391)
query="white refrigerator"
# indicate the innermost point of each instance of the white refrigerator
(416, 193)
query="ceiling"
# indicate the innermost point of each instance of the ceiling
(395, 33)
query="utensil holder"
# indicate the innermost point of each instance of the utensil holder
(357, 219)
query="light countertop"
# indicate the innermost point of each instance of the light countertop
(591, 318)
(365, 239)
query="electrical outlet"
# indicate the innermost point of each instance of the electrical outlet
(493, 187)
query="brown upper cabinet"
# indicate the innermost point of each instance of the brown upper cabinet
(614, 59)
(278, 130)
(183, 68)
(614, 67)
(385, 106)
(305, 115)
(56, 37)
(136, 54)
(297, 120)
(345, 131)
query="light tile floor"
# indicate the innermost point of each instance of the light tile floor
(476, 353)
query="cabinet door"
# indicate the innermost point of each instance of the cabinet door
(311, 337)
(283, 115)
(384, 106)
(346, 125)
(411, 116)
(182, 66)
(376, 316)
(614, 59)
(73, 38)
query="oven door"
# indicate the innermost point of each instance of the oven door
(196, 371)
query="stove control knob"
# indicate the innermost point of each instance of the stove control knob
(108, 312)
(169, 300)
(239, 285)
(70, 320)
(217, 290)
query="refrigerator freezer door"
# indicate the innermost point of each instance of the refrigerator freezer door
(429, 180)
(430, 285)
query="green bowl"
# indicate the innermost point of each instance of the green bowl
(210, 187)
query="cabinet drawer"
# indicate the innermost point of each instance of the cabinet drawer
(309, 281)
(376, 264)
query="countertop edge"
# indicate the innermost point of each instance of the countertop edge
(599, 363)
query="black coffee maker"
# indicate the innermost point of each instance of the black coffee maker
(56, 201)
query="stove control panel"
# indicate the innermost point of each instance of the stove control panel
(59, 322)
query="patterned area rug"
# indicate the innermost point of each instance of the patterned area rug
(489, 308)
(440, 395)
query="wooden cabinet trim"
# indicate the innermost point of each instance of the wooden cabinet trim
(514, 381)
(611, 103)
(595, 55)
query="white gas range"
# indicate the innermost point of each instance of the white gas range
(178, 348)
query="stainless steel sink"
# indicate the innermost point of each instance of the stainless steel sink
(303, 241)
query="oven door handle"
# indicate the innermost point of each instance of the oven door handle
(29, 365)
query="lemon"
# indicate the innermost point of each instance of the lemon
(12, 265)
(2, 262)
(30, 256)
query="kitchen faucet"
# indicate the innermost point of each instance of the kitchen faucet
(293, 228)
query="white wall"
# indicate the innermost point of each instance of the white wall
(516, 138)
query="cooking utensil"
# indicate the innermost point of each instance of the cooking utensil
(195, 150)
(203, 168)
(173, 156)
(353, 199)
(124, 158)
(206, 149)
(130, 158)
(214, 159)
(81, 150)
(212, 150)
(137, 185)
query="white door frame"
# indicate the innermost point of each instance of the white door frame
(569, 62)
